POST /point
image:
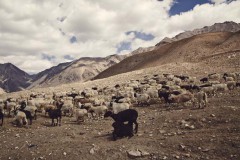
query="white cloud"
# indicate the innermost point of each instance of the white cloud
(218, 1)
(32, 27)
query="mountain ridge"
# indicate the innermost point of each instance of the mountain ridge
(88, 68)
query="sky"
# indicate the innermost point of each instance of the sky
(38, 34)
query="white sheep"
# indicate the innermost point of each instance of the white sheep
(32, 110)
(48, 107)
(227, 79)
(220, 87)
(209, 90)
(67, 107)
(201, 99)
(80, 114)
(142, 98)
(231, 85)
(118, 107)
(9, 106)
(152, 92)
(21, 118)
(98, 110)
(214, 76)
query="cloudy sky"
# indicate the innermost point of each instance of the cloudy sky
(38, 34)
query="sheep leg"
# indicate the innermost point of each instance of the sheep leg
(30, 121)
(114, 136)
(52, 121)
(131, 135)
(136, 127)
(60, 118)
(35, 115)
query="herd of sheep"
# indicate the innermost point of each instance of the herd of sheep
(118, 101)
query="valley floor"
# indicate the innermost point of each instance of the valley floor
(164, 133)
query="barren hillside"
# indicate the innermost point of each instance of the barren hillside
(203, 51)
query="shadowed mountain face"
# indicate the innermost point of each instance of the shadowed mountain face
(209, 49)
(12, 78)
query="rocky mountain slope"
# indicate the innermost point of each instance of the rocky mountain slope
(12, 78)
(210, 50)
(79, 70)
(217, 27)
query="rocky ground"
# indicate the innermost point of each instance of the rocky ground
(164, 133)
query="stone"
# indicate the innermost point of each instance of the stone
(134, 154)
(212, 115)
(144, 153)
(162, 131)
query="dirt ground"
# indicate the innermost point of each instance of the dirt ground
(164, 133)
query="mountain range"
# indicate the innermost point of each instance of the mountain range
(201, 46)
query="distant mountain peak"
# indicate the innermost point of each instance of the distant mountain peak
(12, 78)
(228, 26)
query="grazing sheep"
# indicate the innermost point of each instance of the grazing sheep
(129, 115)
(214, 76)
(9, 106)
(181, 98)
(98, 110)
(220, 87)
(118, 107)
(227, 79)
(122, 130)
(201, 99)
(28, 115)
(67, 107)
(32, 110)
(233, 75)
(98, 102)
(80, 114)
(142, 99)
(231, 85)
(20, 118)
(152, 92)
(86, 106)
(209, 90)
(1, 116)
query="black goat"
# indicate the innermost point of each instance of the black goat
(122, 130)
(128, 115)
(1, 117)
(190, 87)
(164, 94)
(203, 80)
(117, 98)
(238, 84)
(183, 78)
(56, 114)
